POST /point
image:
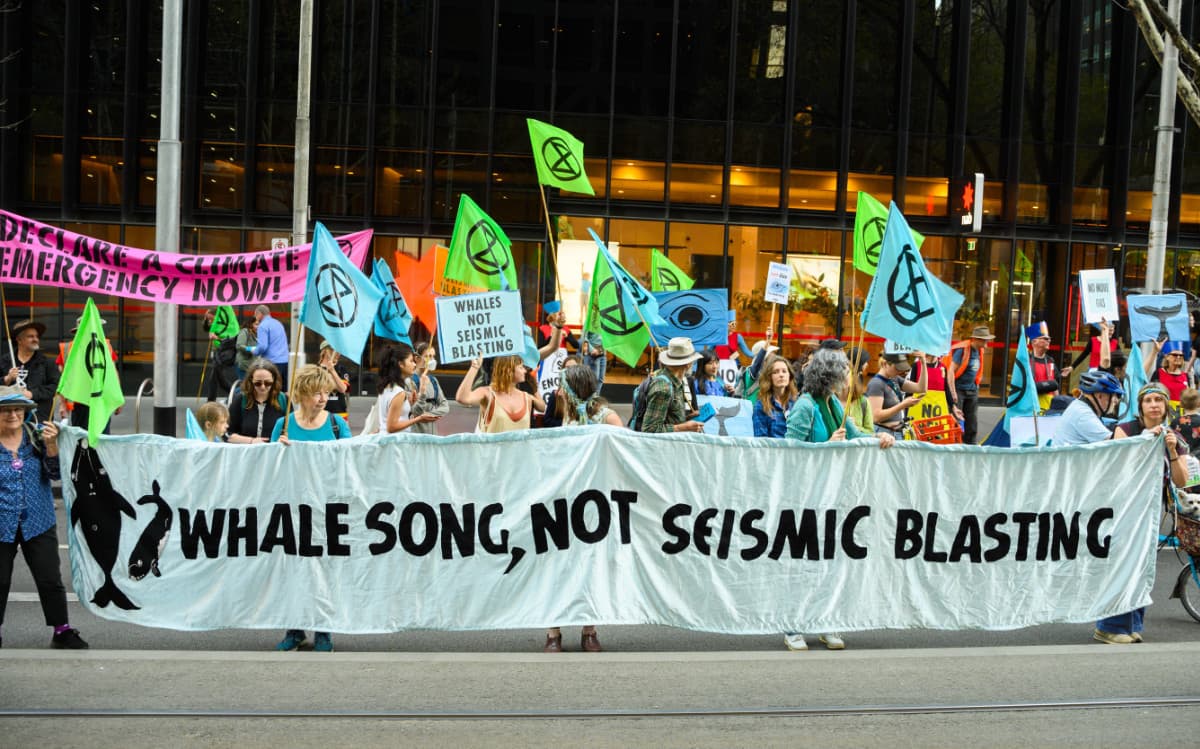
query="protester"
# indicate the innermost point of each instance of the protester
(339, 399)
(937, 380)
(33, 372)
(817, 416)
(272, 342)
(1188, 423)
(747, 385)
(886, 393)
(580, 403)
(259, 406)
(594, 358)
(247, 339)
(858, 405)
(213, 418)
(1082, 422)
(735, 344)
(1173, 373)
(309, 422)
(503, 408)
(222, 355)
(551, 417)
(397, 395)
(1099, 343)
(1045, 374)
(430, 400)
(28, 463)
(1152, 410)
(666, 407)
(776, 394)
(967, 357)
(555, 322)
(707, 378)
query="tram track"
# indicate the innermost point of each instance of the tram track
(1133, 703)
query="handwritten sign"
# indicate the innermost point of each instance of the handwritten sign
(728, 370)
(779, 283)
(932, 404)
(891, 347)
(487, 324)
(550, 372)
(1098, 295)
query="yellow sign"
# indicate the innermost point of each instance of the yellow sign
(933, 403)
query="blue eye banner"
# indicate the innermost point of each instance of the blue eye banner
(699, 314)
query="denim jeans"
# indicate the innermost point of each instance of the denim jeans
(599, 365)
(1123, 624)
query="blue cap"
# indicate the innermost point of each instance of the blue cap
(1037, 330)
(552, 307)
(732, 316)
(1173, 347)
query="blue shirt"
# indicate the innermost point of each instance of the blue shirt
(272, 341)
(25, 498)
(323, 433)
(1079, 425)
(774, 424)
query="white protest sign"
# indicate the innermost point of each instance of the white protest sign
(727, 371)
(779, 283)
(1098, 295)
(486, 324)
(891, 347)
(550, 372)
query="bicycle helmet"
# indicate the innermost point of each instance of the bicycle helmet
(1099, 381)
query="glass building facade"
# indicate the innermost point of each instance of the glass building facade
(729, 134)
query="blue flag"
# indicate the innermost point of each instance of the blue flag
(393, 319)
(340, 303)
(1135, 380)
(635, 297)
(1022, 399)
(906, 303)
(191, 428)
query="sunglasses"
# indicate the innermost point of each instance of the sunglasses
(263, 383)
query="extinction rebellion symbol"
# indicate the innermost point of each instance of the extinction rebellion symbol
(395, 299)
(612, 316)
(667, 280)
(560, 160)
(337, 296)
(485, 251)
(907, 308)
(95, 360)
(1016, 393)
(872, 239)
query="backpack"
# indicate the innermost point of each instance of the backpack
(226, 354)
(747, 386)
(639, 400)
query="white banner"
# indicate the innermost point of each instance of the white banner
(410, 531)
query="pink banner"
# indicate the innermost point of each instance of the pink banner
(44, 255)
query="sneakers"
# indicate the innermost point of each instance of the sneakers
(833, 642)
(323, 643)
(795, 642)
(292, 640)
(1112, 638)
(68, 639)
(1137, 637)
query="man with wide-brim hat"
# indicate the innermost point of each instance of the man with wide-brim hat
(32, 372)
(967, 362)
(665, 407)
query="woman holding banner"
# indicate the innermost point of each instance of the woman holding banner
(429, 400)
(311, 386)
(579, 402)
(1152, 410)
(817, 416)
(260, 405)
(503, 408)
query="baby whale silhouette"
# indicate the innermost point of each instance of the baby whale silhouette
(97, 511)
(149, 547)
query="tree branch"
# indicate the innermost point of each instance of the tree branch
(1186, 89)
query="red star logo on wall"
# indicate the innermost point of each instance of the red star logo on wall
(968, 198)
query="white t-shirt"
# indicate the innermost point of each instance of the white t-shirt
(385, 402)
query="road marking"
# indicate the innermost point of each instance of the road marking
(33, 598)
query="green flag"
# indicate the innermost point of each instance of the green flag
(870, 219)
(558, 156)
(610, 313)
(480, 252)
(665, 275)
(224, 324)
(89, 376)
(1024, 270)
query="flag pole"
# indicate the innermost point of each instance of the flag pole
(204, 370)
(292, 381)
(12, 356)
(550, 237)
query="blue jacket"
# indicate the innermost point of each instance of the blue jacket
(773, 425)
(272, 341)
